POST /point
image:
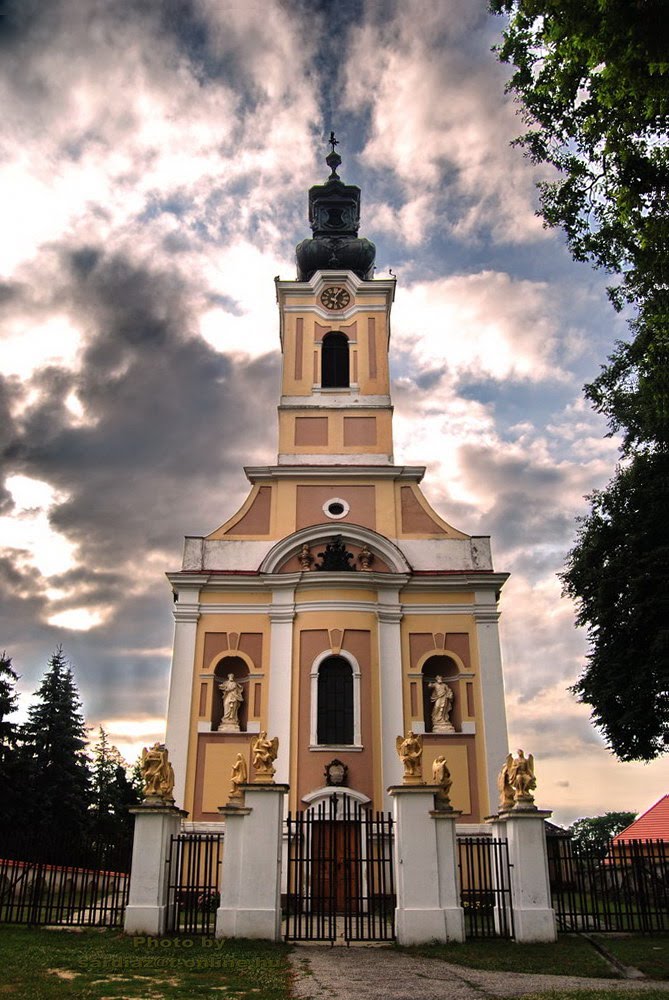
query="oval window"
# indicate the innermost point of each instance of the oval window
(335, 508)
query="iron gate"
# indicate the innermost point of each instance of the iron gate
(340, 880)
(193, 879)
(623, 888)
(485, 887)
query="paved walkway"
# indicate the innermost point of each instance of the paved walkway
(378, 973)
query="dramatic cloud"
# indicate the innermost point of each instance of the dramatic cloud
(154, 166)
(439, 122)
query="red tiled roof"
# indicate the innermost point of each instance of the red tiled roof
(651, 825)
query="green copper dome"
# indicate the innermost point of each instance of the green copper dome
(334, 216)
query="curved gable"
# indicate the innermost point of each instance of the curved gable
(282, 557)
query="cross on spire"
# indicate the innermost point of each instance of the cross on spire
(333, 159)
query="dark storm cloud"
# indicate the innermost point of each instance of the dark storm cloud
(157, 398)
(168, 422)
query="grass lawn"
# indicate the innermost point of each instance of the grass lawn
(48, 965)
(90, 965)
(648, 953)
(570, 956)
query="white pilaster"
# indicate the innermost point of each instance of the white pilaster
(281, 615)
(186, 614)
(486, 617)
(146, 911)
(390, 684)
(251, 873)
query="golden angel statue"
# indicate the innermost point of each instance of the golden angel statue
(157, 773)
(505, 787)
(520, 772)
(410, 750)
(239, 776)
(442, 776)
(264, 754)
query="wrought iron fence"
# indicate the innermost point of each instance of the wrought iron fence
(49, 882)
(340, 879)
(193, 880)
(485, 887)
(625, 890)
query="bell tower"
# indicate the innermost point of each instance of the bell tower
(335, 329)
(336, 609)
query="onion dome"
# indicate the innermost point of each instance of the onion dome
(334, 216)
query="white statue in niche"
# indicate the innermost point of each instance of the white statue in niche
(233, 696)
(441, 697)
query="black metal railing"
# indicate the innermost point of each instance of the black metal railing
(625, 888)
(49, 882)
(340, 879)
(485, 887)
(193, 880)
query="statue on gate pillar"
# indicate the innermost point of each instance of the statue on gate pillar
(442, 776)
(516, 782)
(410, 750)
(157, 775)
(239, 777)
(264, 754)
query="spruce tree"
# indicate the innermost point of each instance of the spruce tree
(58, 796)
(113, 793)
(10, 772)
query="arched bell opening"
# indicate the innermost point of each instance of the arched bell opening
(335, 362)
(231, 689)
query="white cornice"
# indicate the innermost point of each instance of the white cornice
(263, 473)
(327, 458)
(465, 580)
(272, 582)
(325, 398)
(320, 279)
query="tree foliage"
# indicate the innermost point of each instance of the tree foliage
(593, 79)
(113, 792)
(10, 764)
(619, 574)
(8, 704)
(593, 833)
(54, 751)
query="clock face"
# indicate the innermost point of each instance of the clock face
(335, 298)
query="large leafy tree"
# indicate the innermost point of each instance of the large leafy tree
(618, 576)
(58, 794)
(594, 833)
(592, 76)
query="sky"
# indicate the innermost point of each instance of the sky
(154, 167)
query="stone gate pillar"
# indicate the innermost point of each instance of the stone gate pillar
(251, 872)
(428, 896)
(155, 824)
(533, 915)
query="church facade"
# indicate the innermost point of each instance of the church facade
(336, 609)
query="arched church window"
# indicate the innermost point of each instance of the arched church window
(335, 366)
(334, 722)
